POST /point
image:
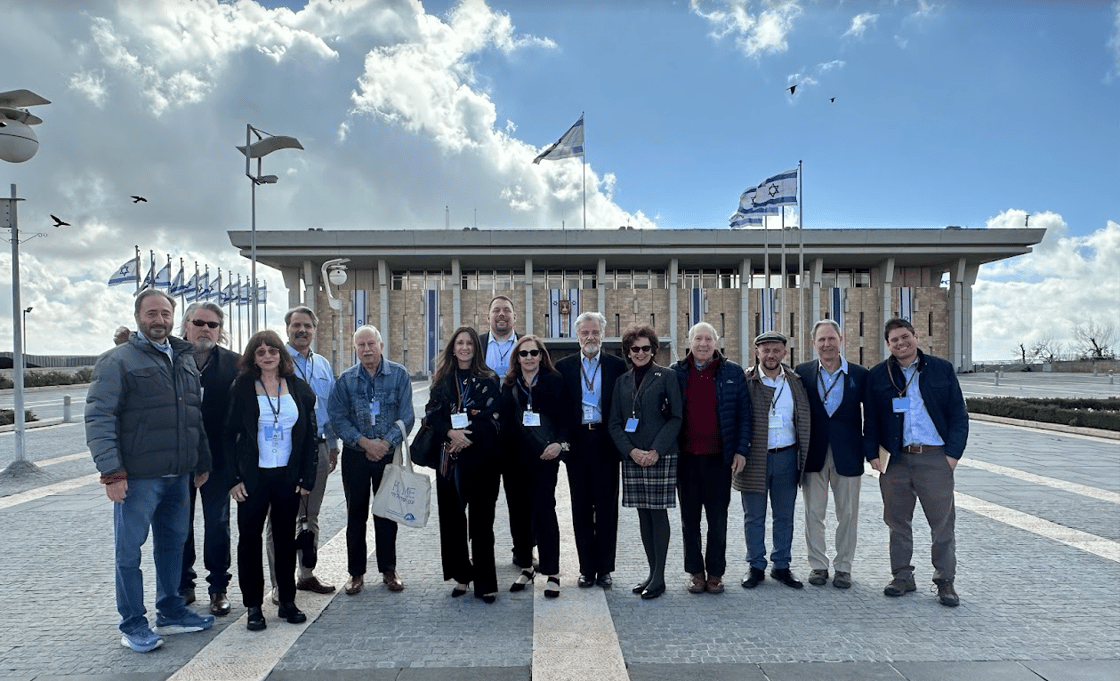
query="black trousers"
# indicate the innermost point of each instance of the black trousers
(545, 525)
(215, 543)
(276, 497)
(517, 485)
(466, 526)
(593, 477)
(704, 483)
(360, 479)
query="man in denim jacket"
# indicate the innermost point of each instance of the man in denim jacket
(367, 401)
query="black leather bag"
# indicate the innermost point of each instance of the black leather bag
(425, 447)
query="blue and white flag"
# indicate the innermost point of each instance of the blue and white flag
(573, 313)
(149, 278)
(178, 287)
(836, 308)
(213, 290)
(695, 306)
(245, 294)
(190, 289)
(766, 316)
(126, 273)
(768, 197)
(262, 294)
(738, 219)
(906, 303)
(553, 313)
(569, 145)
(431, 327)
(358, 302)
(163, 277)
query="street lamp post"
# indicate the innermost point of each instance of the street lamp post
(334, 272)
(17, 145)
(29, 308)
(265, 145)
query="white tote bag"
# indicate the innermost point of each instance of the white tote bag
(404, 496)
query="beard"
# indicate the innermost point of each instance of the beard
(204, 345)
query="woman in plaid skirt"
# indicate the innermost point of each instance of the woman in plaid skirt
(644, 422)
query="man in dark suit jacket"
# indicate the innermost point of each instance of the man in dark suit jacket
(593, 462)
(838, 447)
(497, 346)
(204, 325)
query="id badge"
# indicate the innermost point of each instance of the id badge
(775, 421)
(901, 404)
(588, 414)
(460, 421)
(530, 418)
(274, 434)
(631, 425)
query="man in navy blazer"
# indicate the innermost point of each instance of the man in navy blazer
(593, 463)
(838, 446)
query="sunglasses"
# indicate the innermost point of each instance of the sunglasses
(199, 322)
(528, 353)
(266, 351)
(635, 349)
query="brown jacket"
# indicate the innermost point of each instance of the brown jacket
(753, 477)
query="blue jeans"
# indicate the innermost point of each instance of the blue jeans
(162, 505)
(781, 483)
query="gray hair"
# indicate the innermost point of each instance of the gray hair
(705, 326)
(592, 316)
(367, 327)
(305, 310)
(188, 315)
(826, 322)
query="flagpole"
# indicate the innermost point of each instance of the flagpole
(137, 247)
(265, 303)
(783, 269)
(763, 326)
(801, 269)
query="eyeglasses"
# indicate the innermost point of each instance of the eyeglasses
(635, 349)
(528, 353)
(199, 322)
(266, 351)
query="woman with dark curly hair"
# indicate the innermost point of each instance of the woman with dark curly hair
(271, 438)
(645, 420)
(463, 413)
(535, 421)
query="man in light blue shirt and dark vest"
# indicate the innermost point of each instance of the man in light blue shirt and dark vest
(918, 415)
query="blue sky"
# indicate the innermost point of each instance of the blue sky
(945, 113)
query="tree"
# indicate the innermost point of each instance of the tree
(1046, 350)
(1094, 341)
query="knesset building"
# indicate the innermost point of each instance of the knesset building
(418, 286)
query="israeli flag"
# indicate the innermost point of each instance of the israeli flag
(766, 316)
(836, 308)
(695, 306)
(906, 303)
(163, 277)
(431, 327)
(573, 298)
(126, 273)
(553, 313)
(570, 144)
(178, 288)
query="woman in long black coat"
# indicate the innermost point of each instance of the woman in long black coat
(463, 413)
(535, 421)
(645, 420)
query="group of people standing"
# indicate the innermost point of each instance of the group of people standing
(167, 416)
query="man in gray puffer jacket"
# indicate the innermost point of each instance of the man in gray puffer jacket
(144, 429)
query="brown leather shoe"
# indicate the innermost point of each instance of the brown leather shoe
(715, 584)
(697, 583)
(392, 581)
(312, 583)
(354, 584)
(219, 605)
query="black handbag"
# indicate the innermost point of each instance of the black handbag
(425, 447)
(305, 540)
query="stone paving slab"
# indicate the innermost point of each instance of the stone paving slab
(1085, 670)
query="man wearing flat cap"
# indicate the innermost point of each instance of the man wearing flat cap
(772, 468)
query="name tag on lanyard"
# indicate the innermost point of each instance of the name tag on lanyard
(632, 425)
(374, 410)
(901, 404)
(776, 421)
(530, 418)
(460, 421)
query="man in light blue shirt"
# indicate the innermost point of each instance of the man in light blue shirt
(367, 401)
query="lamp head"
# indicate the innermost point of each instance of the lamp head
(18, 142)
(337, 275)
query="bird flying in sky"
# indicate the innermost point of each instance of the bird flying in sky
(138, 199)
(58, 222)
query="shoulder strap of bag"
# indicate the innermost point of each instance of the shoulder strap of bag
(402, 456)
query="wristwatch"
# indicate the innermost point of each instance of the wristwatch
(565, 447)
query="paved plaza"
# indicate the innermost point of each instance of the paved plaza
(1038, 540)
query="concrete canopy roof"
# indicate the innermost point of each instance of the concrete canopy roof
(426, 249)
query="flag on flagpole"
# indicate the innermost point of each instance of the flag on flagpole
(262, 294)
(163, 277)
(149, 278)
(126, 273)
(766, 198)
(177, 285)
(190, 289)
(213, 290)
(570, 144)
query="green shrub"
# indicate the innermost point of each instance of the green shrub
(1083, 412)
(8, 416)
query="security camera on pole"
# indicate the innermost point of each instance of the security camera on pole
(18, 144)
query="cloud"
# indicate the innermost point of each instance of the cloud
(860, 24)
(757, 30)
(1113, 44)
(1057, 283)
